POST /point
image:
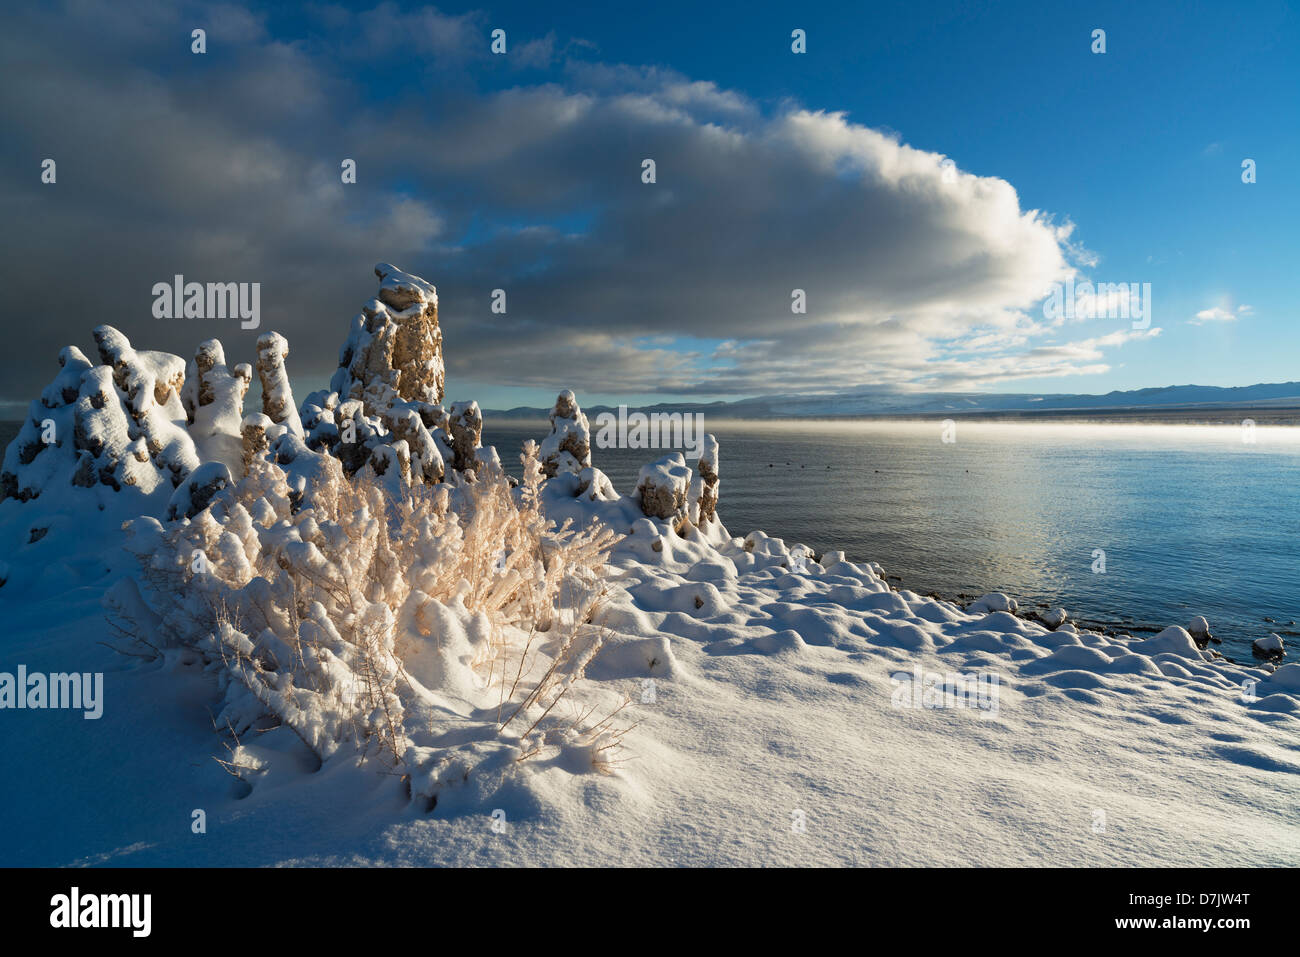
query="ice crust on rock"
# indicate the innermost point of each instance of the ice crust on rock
(1053, 618)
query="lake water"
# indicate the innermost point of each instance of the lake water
(1192, 520)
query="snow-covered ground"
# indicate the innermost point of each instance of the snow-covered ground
(772, 706)
(312, 692)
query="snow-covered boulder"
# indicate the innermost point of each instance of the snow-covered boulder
(1173, 640)
(1053, 618)
(1199, 629)
(662, 486)
(568, 447)
(703, 499)
(595, 486)
(993, 601)
(1270, 646)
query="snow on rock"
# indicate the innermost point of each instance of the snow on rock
(43, 446)
(1173, 640)
(993, 601)
(1053, 618)
(394, 352)
(254, 439)
(595, 486)
(148, 386)
(145, 377)
(465, 423)
(213, 397)
(1270, 646)
(198, 489)
(662, 486)
(387, 389)
(568, 447)
(1199, 629)
(119, 424)
(277, 395)
(703, 498)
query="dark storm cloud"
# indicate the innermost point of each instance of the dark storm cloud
(478, 172)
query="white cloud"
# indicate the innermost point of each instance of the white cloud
(916, 273)
(1220, 314)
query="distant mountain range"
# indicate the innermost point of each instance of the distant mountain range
(874, 402)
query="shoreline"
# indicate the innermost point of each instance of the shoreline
(1109, 628)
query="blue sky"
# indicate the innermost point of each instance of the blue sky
(521, 171)
(1140, 146)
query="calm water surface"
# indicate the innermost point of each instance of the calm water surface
(1192, 520)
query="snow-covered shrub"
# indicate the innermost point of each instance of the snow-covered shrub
(360, 619)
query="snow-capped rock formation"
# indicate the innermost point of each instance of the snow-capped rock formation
(568, 447)
(277, 396)
(662, 487)
(703, 498)
(146, 420)
(394, 351)
(117, 424)
(382, 412)
(213, 396)
(466, 424)
(595, 486)
(254, 442)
